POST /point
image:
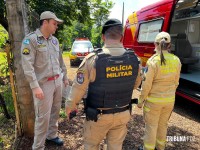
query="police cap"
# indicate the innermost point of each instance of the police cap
(110, 23)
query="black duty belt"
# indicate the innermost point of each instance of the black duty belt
(113, 110)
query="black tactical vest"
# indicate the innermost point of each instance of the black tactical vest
(115, 79)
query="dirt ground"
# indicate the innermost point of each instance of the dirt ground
(184, 122)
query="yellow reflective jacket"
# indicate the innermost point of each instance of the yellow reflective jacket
(161, 80)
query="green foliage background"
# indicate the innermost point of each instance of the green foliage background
(82, 18)
(99, 12)
(3, 65)
(3, 36)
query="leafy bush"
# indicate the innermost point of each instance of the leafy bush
(3, 36)
(3, 65)
(5, 88)
(6, 92)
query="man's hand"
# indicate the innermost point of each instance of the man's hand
(70, 113)
(139, 105)
(73, 114)
(38, 93)
(66, 82)
(67, 111)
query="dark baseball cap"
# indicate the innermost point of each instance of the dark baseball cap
(110, 23)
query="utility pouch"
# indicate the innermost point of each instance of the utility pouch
(134, 101)
(91, 114)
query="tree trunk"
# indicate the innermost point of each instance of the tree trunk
(24, 94)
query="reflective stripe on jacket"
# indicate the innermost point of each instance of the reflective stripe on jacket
(161, 80)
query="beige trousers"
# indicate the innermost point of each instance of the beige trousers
(110, 126)
(156, 116)
(47, 113)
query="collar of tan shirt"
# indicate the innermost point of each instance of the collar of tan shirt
(39, 34)
(114, 49)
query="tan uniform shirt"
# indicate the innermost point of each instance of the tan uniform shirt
(89, 72)
(161, 81)
(41, 58)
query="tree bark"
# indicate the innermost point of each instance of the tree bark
(24, 94)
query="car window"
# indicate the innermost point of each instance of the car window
(82, 47)
(148, 30)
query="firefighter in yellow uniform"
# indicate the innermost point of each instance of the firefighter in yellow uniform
(110, 74)
(158, 92)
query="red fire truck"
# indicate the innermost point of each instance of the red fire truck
(180, 18)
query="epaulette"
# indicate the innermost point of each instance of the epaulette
(94, 52)
(30, 33)
(98, 50)
(54, 37)
(90, 55)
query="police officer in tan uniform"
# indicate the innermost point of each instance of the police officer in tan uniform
(45, 70)
(110, 74)
(158, 92)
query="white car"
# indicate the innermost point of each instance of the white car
(80, 49)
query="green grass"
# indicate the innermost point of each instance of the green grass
(62, 113)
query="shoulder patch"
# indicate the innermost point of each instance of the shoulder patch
(26, 41)
(26, 51)
(39, 40)
(54, 41)
(80, 77)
